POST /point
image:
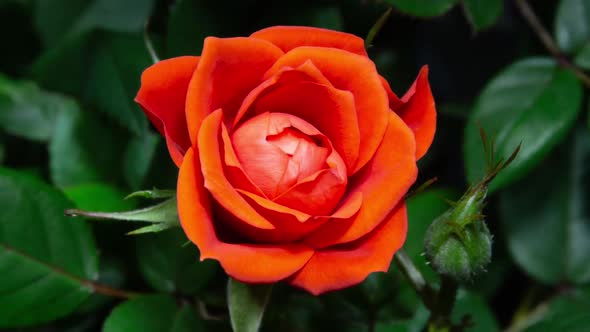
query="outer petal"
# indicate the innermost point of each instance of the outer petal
(162, 97)
(245, 262)
(419, 112)
(229, 69)
(383, 182)
(347, 265)
(354, 73)
(290, 37)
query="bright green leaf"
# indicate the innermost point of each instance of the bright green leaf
(246, 304)
(423, 7)
(533, 103)
(153, 313)
(27, 111)
(43, 256)
(482, 13)
(170, 266)
(98, 197)
(546, 216)
(571, 25)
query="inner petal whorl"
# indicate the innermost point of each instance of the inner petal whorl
(279, 150)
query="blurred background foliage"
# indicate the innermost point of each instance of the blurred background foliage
(71, 136)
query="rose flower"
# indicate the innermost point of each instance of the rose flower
(294, 154)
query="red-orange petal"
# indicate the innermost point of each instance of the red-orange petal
(233, 169)
(419, 112)
(245, 262)
(330, 110)
(290, 37)
(354, 73)
(162, 97)
(215, 180)
(347, 265)
(384, 181)
(229, 69)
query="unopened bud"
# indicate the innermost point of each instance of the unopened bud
(458, 243)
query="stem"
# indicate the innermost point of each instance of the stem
(546, 39)
(445, 301)
(414, 276)
(109, 291)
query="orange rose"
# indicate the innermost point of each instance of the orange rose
(294, 154)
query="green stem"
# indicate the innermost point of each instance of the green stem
(414, 276)
(445, 301)
(547, 41)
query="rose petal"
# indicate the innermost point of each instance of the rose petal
(215, 181)
(330, 110)
(233, 169)
(291, 224)
(383, 182)
(245, 262)
(290, 37)
(354, 73)
(229, 69)
(394, 101)
(346, 265)
(162, 97)
(418, 111)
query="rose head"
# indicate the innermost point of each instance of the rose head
(294, 154)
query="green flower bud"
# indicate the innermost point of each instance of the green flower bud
(458, 243)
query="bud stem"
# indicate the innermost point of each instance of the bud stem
(414, 276)
(445, 300)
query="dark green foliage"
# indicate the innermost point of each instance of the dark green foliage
(71, 137)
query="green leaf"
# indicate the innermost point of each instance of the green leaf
(582, 59)
(423, 7)
(482, 13)
(76, 154)
(474, 306)
(43, 256)
(565, 313)
(139, 155)
(546, 216)
(153, 194)
(467, 305)
(103, 70)
(191, 21)
(98, 197)
(246, 304)
(532, 102)
(64, 18)
(153, 313)
(171, 267)
(422, 210)
(27, 111)
(164, 212)
(571, 25)
(114, 78)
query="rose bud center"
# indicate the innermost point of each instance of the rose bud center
(283, 155)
